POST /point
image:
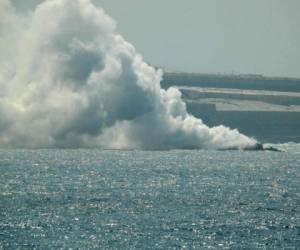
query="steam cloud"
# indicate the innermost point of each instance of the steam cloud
(68, 79)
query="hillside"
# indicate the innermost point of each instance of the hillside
(263, 107)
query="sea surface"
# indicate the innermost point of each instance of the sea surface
(97, 199)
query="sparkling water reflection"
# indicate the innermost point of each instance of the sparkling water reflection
(85, 199)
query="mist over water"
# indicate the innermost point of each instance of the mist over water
(68, 79)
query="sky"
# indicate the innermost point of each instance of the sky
(210, 36)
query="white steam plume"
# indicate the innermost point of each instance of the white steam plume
(68, 79)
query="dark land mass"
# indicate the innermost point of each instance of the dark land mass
(253, 82)
(266, 108)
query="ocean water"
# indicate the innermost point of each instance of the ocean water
(97, 199)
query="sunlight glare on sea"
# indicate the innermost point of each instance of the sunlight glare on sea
(85, 199)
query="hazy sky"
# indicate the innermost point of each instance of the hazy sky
(211, 36)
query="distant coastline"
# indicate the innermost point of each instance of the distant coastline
(233, 76)
(243, 81)
(267, 108)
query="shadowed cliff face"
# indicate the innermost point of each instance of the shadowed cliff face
(263, 107)
(68, 79)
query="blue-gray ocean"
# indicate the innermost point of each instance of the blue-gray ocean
(97, 199)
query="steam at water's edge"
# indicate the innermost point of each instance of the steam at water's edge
(68, 79)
